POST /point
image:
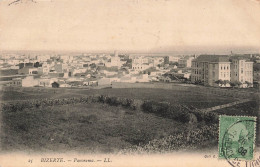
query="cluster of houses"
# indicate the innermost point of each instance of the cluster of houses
(104, 69)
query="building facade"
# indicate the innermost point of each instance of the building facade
(242, 71)
(209, 69)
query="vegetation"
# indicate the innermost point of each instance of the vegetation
(190, 98)
(84, 127)
(204, 137)
(245, 109)
(114, 121)
(236, 84)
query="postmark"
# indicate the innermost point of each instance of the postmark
(236, 137)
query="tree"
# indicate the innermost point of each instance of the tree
(93, 65)
(198, 82)
(37, 64)
(249, 84)
(232, 84)
(235, 84)
(239, 83)
(220, 82)
(55, 85)
(225, 82)
(174, 63)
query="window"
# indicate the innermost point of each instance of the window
(221, 67)
(242, 70)
(227, 67)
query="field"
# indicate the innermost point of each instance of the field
(195, 99)
(83, 127)
(96, 127)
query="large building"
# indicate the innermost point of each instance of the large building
(242, 70)
(140, 63)
(209, 69)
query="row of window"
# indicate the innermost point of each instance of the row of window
(224, 67)
(137, 68)
(16, 83)
(225, 74)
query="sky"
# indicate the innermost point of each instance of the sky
(130, 25)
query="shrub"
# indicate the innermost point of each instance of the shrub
(194, 139)
(138, 137)
(165, 110)
(181, 115)
(147, 106)
(211, 117)
(113, 101)
(102, 98)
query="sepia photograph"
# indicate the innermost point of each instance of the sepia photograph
(129, 83)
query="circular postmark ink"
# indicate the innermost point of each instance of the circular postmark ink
(241, 138)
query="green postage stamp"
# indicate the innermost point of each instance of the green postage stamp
(236, 137)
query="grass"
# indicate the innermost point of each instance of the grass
(195, 99)
(91, 128)
(244, 109)
(97, 127)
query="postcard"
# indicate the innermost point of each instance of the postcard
(122, 83)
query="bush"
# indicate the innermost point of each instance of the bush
(211, 118)
(102, 98)
(181, 115)
(138, 137)
(194, 139)
(166, 110)
(175, 112)
(147, 106)
(113, 101)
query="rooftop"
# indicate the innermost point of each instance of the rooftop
(213, 58)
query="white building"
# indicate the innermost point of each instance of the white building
(208, 69)
(140, 67)
(242, 71)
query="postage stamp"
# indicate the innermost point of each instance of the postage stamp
(236, 137)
